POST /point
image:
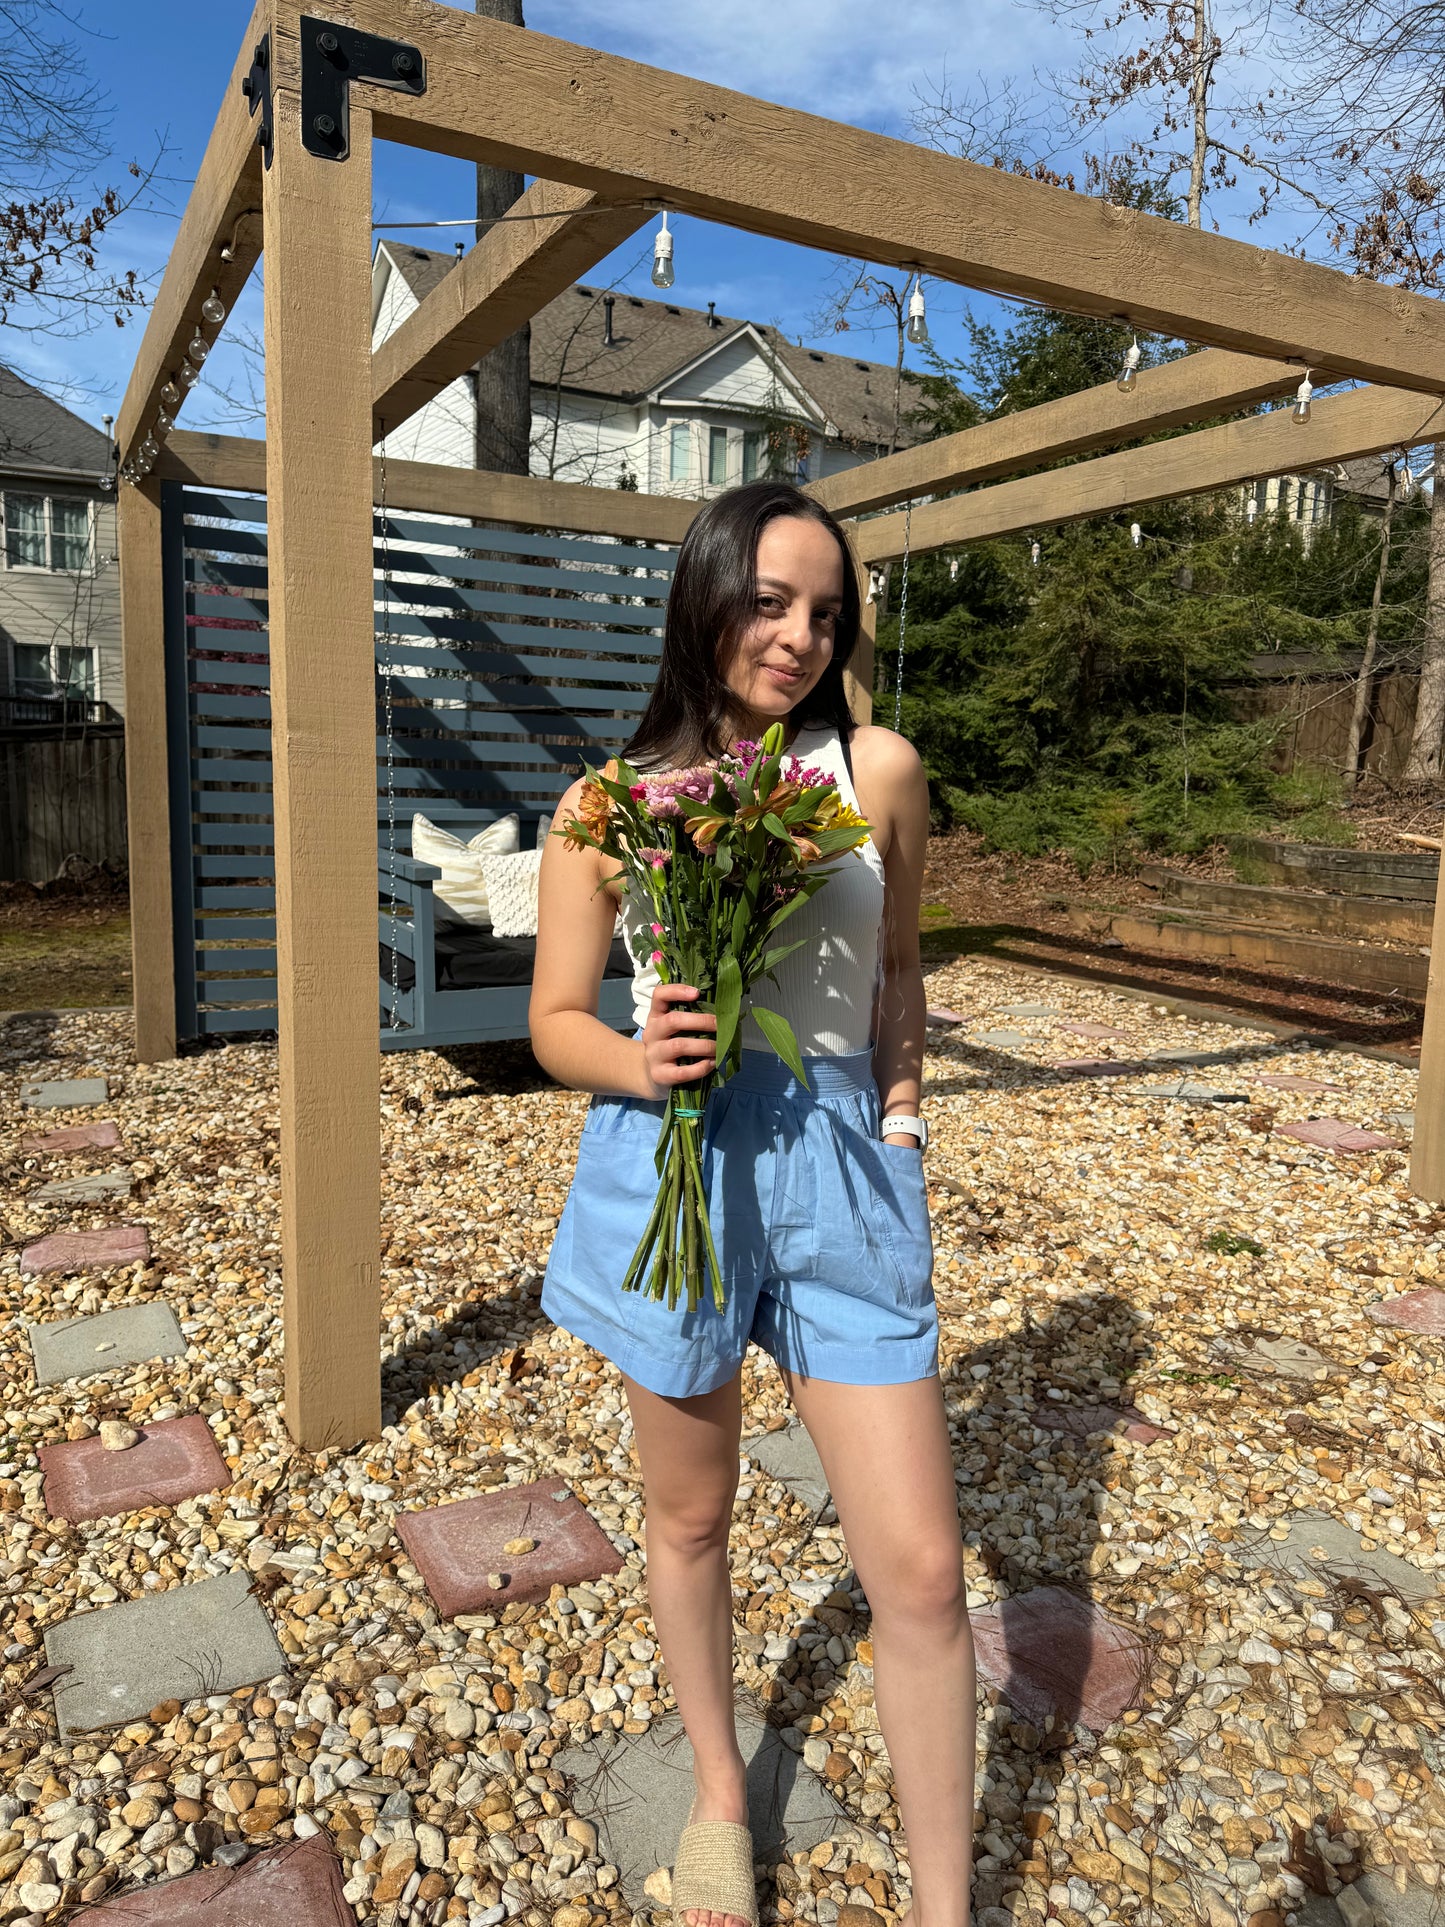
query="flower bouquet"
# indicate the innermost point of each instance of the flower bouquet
(722, 854)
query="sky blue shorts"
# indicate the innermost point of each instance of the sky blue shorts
(821, 1230)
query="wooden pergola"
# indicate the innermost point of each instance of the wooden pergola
(288, 167)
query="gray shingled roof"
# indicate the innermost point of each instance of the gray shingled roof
(653, 339)
(38, 435)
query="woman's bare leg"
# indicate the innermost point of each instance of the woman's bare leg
(689, 1453)
(886, 1454)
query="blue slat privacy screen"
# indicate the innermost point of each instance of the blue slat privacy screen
(513, 655)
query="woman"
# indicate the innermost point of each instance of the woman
(821, 1220)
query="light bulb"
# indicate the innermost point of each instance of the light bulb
(1136, 534)
(147, 450)
(1035, 552)
(662, 256)
(107, 483)
(164, 420)
(170, 395)
(953, 568)
(1407, 481)
(1251, 509)
(917, 327)
(213, 309)
(1302, 398)
(199, 348)
(1132, 356)
(187, 376)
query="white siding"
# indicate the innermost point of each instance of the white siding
(594, 439)
(443, 431)
(61, 610)
(736, 376)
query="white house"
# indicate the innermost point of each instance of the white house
(629, 392)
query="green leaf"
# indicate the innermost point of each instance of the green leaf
(728, 1000)
(779, 1033)
(831, 842)
(722, 856)
(777, 826)
(772, 958)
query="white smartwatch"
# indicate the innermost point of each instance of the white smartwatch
(914, 1126)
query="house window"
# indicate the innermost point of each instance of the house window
(47, 532)
(717, 455)
(53, 669)
(800, 473)
(754, 447)
(679, 453)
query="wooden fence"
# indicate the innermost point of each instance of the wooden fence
(1315, 712)
(62, 795)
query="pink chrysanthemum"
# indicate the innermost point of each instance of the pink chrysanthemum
(659, 859)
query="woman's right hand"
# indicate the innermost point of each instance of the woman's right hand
(679, 1044)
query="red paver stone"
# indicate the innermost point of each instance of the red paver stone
(1287, 1081)
(1334, 1134)
(176, 1459)
(76, 1137)
(456, 1547)
(1094, 1030)
(120, 1244)
(1414, 1311)
(1051, 1653)
(1080, 1420)
(936, 1016)
(297, 1884)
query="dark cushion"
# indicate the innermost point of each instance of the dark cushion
(469, 957)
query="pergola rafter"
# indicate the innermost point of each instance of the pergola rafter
(600, 132)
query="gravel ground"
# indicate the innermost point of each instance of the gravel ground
(1097, 1239)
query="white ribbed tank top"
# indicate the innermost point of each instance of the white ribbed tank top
(826, 989)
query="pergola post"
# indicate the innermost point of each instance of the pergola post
(323, 745)
(147, 771)
(1427, 1146)
(858, 676)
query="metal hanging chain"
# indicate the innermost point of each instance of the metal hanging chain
(386, 697)
(902, 621)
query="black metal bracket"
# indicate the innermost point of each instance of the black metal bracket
(257, 89)
(332, 56)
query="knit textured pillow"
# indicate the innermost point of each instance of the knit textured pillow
(512, 892)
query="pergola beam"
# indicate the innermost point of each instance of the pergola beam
(553, 235)
(436, 488)
(224, 205)
(1365, 422)
(1188, 390)
(515, 98)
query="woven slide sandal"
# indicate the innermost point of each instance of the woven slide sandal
(714, 1872)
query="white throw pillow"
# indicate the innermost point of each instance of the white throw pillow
(461, 895)
(544, 830)
(511, 882)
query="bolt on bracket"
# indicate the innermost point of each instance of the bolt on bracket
(332, 56)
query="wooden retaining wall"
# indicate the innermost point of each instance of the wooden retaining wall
(1365, 918)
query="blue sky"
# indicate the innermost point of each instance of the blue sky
(164, 63)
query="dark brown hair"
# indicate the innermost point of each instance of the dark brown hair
(712, 605)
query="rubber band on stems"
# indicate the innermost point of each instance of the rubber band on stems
(678, 1111)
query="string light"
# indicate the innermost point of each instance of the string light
(953, 568)
(148, 449)
(1251, 509)
(187, 376)
(198, 348)
(916, 328)
(1034, 553)
(170, 395)
(1407, 478)
(662, 275)
(1302, 398)
(213, 309)
(1133, 355)
(1136, 534)
(165, 420)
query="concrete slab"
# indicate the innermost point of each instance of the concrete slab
(90, 1187)
(1029, 1010)
(460, 1549)
(176, 1459)
(299, 1881)
(75, 1137)
(64, 1093)
(1275, 1357)
(1403, 1121)
(1082, 1421)
(102, 1250)
(1334, 1134)
(1193, 1093)
(1414, 1311)
(1055, 1656)
(1094, 1030)
(210, 1637)
(1000, 1039)
(1319, 1541)
(130, 1335)
(1416, 1907)
(638, 1790)
(791, 1456)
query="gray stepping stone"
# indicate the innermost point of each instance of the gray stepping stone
(638, 1790)
(1198, 1093)
(1402, 1121)
(1317, 1540)
(791, 1456)
(118, 1244)
(191, 1641)
(64, 1093)
(1416, 1907)
(90, 1188)
(1001, 1039)
(1276, 1357)
(1030, 1010)
(131, 1335)
(1095, 1030)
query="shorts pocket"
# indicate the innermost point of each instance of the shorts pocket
(905, 1221)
